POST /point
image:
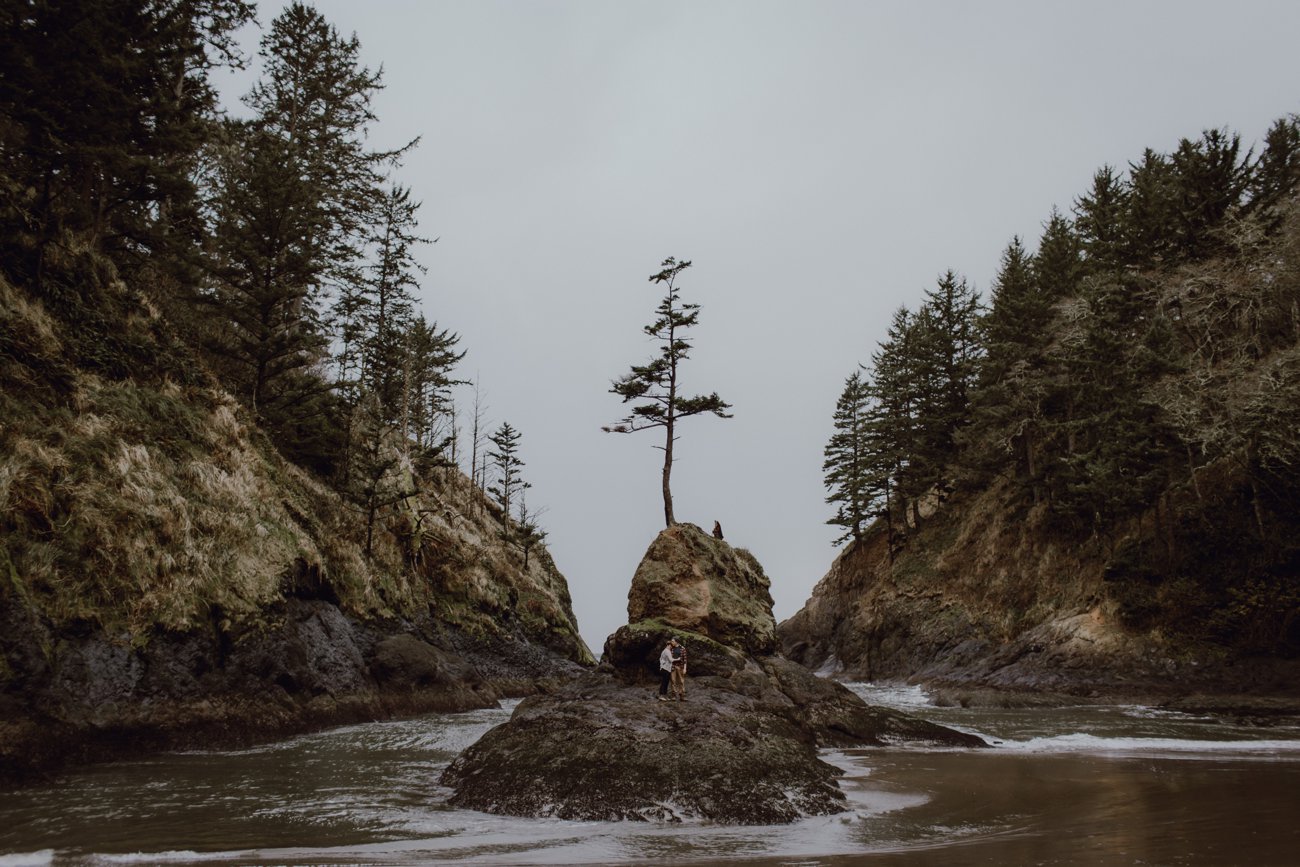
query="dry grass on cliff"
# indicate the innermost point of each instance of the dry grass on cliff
(998, 565)
(138, 506)
(136, 495)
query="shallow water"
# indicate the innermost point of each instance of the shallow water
(1082, 785)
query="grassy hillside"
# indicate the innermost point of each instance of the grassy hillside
(137, 496)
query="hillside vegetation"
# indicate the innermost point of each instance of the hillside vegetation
(230, 501)
(1113, 435)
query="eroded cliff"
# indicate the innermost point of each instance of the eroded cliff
(987, 595)
(167, 578)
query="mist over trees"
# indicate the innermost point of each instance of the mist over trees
(1135, 381)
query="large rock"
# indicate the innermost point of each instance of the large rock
(601, 750)
(633, 650)
(689, 580)
(739, 749)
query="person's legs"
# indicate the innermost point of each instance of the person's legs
(679, 684)
(664, 678)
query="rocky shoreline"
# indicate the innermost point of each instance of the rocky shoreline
(870, 620)
(74, 698)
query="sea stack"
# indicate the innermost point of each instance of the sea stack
(742, 746)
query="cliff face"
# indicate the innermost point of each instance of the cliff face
(984, 595)
(167, 578)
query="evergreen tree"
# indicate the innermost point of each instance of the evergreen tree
(1099, 221)
(941, 359)
(657, 383)
(1008, 404)
(1152, 210)
(1211, 176)
(1058, 274)
(1276, 174)
(388, 282)
(505, 458)
(315, 95)
(296, 187)
(847, 468)
(431, 358)
(528, 532)
(103, 107)
(377, 476)
(896, 390)
(262, 275)
(1058, 264)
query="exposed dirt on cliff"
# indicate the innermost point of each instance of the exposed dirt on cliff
(983, 596)
(167, 578)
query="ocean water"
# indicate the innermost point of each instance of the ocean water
(1072, 785)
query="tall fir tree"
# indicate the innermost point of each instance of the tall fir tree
(944, 355)
(1276, 174)
(104, 105)
(1099, 221)
(1211, 176)
(1008, 404)
(298, 186)
(897, 390)
(847, 466)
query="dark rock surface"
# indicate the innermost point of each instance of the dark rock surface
(634, 650)
(73, 697)
(604, 750)
(740, 748)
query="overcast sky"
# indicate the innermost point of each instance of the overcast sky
(821, 163)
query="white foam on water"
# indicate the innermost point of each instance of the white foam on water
(181, 856)
(28, 859)
(1086, 743)
(899, 696)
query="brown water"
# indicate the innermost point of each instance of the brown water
(1116, 785)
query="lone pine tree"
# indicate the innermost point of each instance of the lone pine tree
(657, 383)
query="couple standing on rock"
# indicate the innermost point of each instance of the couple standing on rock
(672, 670)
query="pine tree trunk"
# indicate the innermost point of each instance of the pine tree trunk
(889, 522)
(668, 471)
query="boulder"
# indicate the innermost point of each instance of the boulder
(602, 750)
(691, 581)
(633, 650)
(739, 749)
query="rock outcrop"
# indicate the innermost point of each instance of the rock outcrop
(996, 608)
(168, 578)
(698, 583)
(741, 747)
(602, 750)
